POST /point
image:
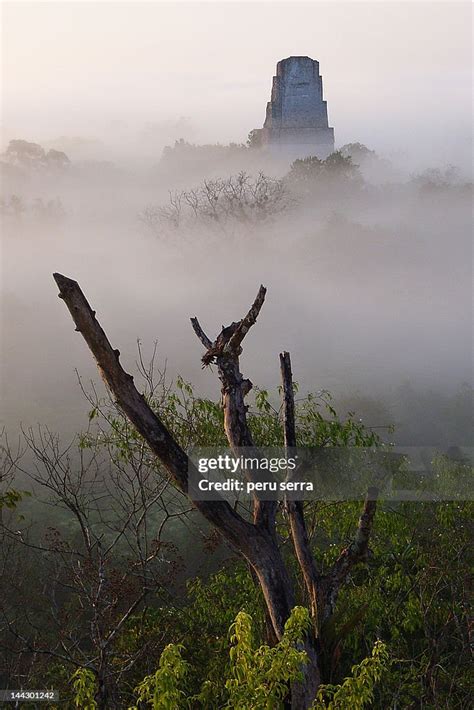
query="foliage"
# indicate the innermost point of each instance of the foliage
(260, 676)
(436, 181)
(24, 151)
(204, 623)
(201, 623)
(317, 423)
(198, 422)
(306, 173)
(357, 152)
(254, 139)
(183, 149)
(32, 155)
(84, 684)
(11, 498)
(161, 689)
(14, 206)
(413, 593)
(357, 691)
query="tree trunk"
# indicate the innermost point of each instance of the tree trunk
(257, 542)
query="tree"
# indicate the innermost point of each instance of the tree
(258, 675)
(20, 152)
(336, 166)
(220, 202)
(313, 177)
(57, 158)
(357, 152)
(32, 155)
(93, 573)
(255, 540)
(255, 138)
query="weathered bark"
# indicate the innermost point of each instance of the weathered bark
(225, 352)
(135, 407)
(295, 510)
(322, 589)
(256, 545)
(305, 691)
(352, 555)
(256, 542)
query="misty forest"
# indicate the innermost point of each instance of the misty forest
(216, 294)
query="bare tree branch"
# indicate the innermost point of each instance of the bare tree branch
(353, 554)
(130, 401)
(295, 508)
(207, 342)
(135, 407)
(257, 543)
(247, 322)
(225, 351)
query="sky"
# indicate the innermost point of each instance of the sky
(382, 287)
(397, 76)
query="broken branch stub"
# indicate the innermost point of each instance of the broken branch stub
(295, 508)
(235, 529)
(257, 546)
(229, 340)
(225, 351)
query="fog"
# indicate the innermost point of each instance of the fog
(369, 280)
(396, 75)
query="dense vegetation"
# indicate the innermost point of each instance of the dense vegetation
(114, 543)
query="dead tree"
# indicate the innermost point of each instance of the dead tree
(255, 540)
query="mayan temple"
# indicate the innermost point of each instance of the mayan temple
(296, 124)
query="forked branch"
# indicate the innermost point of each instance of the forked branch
(322, 589)
(145, 420)
(260, 550)
(230, 338)
(225, 351)
(353, 554)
